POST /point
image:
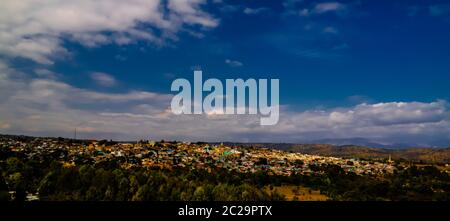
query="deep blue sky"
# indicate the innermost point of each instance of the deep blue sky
(384, 52)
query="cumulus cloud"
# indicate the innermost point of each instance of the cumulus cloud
(103, 79)
(396, 113)
(189, 12)
(49, 107)
(36, 30)
(393, 121)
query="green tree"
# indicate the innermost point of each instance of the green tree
(13, 165)
(200, 194)
(17, 183)
(4, 195)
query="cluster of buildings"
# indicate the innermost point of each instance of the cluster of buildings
(183, 154)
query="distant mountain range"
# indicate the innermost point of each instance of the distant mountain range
(366, 142)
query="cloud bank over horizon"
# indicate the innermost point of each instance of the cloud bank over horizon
(50, 107)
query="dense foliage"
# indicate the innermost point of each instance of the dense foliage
(109, 182)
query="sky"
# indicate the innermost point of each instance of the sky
(347, 69)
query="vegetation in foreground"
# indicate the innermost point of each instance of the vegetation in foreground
(108, 182)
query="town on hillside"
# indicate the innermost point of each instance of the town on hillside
(200, 155)
(46, 168)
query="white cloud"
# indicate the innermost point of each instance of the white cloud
(233, 63)
(393, 121)
(103, 79)
(190, 13)
(229, 9)
(322, 8)
(36, 29)
(396, 113)
(328, 7)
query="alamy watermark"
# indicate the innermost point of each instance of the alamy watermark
(216, 102)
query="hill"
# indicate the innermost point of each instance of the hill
(426, 155)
